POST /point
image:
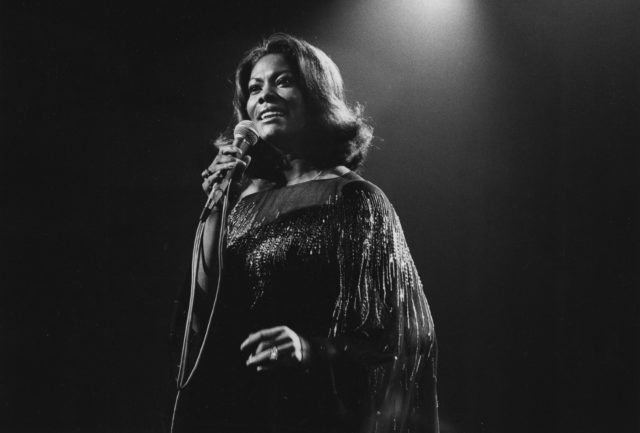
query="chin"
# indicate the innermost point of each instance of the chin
(271, 132)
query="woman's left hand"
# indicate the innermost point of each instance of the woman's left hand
(274, 346)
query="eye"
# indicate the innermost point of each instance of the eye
(253, 88)
(285, 80)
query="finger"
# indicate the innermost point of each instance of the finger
(220, 159)
(265, 357)
(228, 165)
(263, 346)
(264, 334)
(212, 176)
(279, 335)
(230, 150)
(219, 171)
(209, 181)
(281, 341)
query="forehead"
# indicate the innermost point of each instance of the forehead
(269, 65)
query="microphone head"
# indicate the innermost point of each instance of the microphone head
(246, 130)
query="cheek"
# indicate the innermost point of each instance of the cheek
(250, 107)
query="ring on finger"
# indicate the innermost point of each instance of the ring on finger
(273, 353)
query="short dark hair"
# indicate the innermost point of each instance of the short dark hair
(338, 133)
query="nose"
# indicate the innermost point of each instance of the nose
(266, 94)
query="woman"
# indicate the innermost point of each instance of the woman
(322, 324)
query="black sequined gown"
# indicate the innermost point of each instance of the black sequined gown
(328, 259)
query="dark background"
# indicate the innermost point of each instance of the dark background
(507, 142)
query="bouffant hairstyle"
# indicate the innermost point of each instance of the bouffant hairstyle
(337, 133)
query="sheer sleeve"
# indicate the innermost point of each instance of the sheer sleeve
(381, 330)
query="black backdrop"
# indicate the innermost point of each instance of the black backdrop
(521, 215)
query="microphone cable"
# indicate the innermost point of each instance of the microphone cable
(195, 255)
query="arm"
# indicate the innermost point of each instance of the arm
(227, 159)
(381, 323)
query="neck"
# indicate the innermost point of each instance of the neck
(299, 170)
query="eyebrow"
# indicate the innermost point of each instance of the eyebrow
(276, 73)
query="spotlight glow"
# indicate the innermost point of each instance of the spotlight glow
(424, 68)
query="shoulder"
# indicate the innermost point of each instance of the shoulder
(354, 186)
(361, 198)
(255, 186)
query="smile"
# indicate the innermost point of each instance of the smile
(270, 114)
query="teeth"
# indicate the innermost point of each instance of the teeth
(270, 114)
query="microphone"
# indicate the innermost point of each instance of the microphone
(244, 136)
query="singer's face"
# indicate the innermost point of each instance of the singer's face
(275, 101)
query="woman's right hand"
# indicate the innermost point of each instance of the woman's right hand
(228, 157)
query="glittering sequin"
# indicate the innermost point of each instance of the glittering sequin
(352, 239)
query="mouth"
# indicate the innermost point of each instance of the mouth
(271, 114)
